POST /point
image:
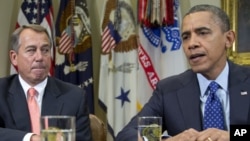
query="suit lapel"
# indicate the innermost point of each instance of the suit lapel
(51, 104)
(239, 95)
(239, 104)
(189, 97)
(18, 106)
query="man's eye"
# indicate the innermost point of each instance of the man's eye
(203, 33)
(184, 37)
(31, 50)
(46, 50)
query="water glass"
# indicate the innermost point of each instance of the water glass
(58, 128)
(150, 127)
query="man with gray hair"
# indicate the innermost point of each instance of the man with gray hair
(31, 54)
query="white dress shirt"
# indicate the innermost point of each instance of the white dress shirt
(40, 89)
(222, 93)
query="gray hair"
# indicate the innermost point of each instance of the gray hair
(218, 14)
(15, 38)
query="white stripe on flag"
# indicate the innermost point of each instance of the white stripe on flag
(65, 43)
(108, 42)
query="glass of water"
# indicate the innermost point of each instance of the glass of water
(150, 128)
(58, 128)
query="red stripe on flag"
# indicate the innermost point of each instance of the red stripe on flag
(108, 42)
(148, 67)
(65, 43)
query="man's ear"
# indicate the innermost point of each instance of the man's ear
(230, 38)
(13, 57)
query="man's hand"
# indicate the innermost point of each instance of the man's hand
(187, 135)
(139, 137)
(213, 134)
(35, 138)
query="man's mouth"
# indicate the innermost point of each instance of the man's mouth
(195, 56)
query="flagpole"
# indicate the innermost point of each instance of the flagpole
(117, 18)
(38, 13)
(71, 53)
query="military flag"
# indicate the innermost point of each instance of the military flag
(160, 50)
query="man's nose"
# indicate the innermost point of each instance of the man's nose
(193, 42)
(38, 55)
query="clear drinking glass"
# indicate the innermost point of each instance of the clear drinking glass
(150, 128)
(58, 128)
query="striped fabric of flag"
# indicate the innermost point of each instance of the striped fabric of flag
(66, 42)
(110, 38)
(37, 12)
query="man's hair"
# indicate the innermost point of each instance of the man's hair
(15, 38)
(218, 15)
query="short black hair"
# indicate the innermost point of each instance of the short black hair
(218, 14)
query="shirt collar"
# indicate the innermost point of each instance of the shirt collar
(39, 87)
(222, 80)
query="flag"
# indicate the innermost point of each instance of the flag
(118, 65)
(160, 51)
(173, 56)
(74, 47)
(37, 12)
(110, 38)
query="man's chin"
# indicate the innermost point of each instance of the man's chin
(39, 72)
(198, 68)
(40, 76)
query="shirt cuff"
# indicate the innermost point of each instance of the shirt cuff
(144, 138)
(27, 136)
(165, 135)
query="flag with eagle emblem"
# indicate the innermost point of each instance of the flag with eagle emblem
(118, 65)
(74, 47)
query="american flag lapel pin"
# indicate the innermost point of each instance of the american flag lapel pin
(243, 92)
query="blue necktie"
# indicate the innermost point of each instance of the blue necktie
(213, 114)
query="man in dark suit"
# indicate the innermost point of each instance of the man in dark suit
(180, 100)
(31, 54)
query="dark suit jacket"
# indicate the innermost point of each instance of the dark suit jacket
(59, 98)
(177, 100)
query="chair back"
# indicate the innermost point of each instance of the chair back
(98, 129)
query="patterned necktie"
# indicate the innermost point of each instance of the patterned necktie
(34, 111)
(213, 114)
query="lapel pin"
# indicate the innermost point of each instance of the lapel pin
(243, 93)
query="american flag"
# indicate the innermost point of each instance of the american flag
(66, 41)
(37, 12)
(110, 38)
